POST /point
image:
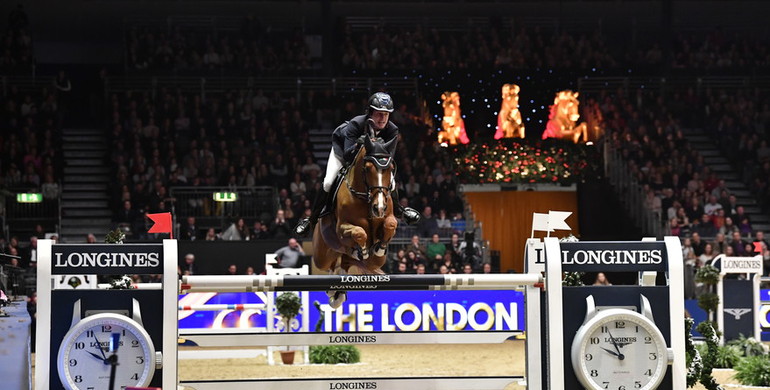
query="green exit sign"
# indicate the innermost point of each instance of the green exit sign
(29, 198)
(225, 196)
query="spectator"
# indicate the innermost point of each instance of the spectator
(188, 268)
(290, 255)
(428, 225)
(601, 280)
(435, 252)
(279, 228)
(738, 244)
(416, 246)
(232, 270)
(211, 235)
(467, 269)
(189, 230)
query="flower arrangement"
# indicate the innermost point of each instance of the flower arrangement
(514, 161)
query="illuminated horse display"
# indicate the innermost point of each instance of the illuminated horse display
(452, 124)
(509, 124)
(562, 120)
(354, 238)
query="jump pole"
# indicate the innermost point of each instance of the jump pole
(264, 283)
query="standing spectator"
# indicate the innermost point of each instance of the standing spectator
(435, 252)
(189, 230)
(289, 256)
(428, 225)
(279, 228)
(416, 246)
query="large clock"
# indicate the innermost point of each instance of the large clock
(104, 347)
(619, 349)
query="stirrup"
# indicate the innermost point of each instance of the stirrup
(304, 226)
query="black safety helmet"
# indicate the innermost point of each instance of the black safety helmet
(380, 101)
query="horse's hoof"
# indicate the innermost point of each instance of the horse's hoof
(337, 298)
(379, 249)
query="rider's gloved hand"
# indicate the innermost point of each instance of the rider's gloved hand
(361, 139)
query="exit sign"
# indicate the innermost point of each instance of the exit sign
(29, 198)
(225, 196)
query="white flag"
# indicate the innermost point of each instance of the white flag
(557, 220)
(540, 222)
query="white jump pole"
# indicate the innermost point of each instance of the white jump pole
(220, 307)
(253, 283)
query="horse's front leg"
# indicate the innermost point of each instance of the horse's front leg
(354, 237)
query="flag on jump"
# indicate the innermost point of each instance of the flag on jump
(162, 224)
(554, 220)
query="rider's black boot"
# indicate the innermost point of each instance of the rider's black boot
(306, 224)
(408, 214)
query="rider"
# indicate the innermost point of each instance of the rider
(345, 142)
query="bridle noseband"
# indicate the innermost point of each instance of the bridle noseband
(381, 162)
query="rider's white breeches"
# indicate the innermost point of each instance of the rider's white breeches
(333, 166)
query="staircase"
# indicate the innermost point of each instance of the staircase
(321, 141)
(714, 159)
(85, 197)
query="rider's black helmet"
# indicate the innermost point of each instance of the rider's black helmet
(380, 101)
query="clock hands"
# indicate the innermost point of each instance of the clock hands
(98, 357)
(99, 345)
(611, 352)
(615, 344)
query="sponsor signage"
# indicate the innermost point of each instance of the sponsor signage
(613, 256)
(106, 259)
(375, 311)
(764, 313)
(741, 265)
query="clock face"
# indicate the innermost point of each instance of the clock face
(84, 355)
(619, 349)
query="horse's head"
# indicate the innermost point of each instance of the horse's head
(565, 107)
(378, 169)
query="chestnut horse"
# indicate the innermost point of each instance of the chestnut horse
(354, 239)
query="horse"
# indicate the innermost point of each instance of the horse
(562, 119)
(509, 123)
(354, 238)
(452, 123)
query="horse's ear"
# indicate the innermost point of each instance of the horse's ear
(390, 146)
(368, 143)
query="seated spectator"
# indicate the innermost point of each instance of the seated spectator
(416, 246)
(428, 225)
(279, 227)
(211, 235)
(189, 231)
(737, 244)
(601, 280)
(435, 252)
(444, 224)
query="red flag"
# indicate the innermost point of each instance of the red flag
(758, 247)
(162, 223)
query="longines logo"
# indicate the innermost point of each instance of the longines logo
(104, 260)
(352, 385)
(351, 339)
(737, 313)
(365, 278)
(613, 257)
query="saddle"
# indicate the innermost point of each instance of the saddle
(331, 200)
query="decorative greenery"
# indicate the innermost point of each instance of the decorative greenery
(708, 274)
(509, 161)
(709, 359)
(115, 237)
(727, 356)
(753, 371)
(574, 279)
(694, 362)
(288, 305)
(334, 354)
(708, 302)
(748, 346)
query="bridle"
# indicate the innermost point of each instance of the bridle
(381, 162)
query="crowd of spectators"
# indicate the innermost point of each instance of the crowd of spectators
(252, 48)
(244, 138)
(274, 49)
(16, 44)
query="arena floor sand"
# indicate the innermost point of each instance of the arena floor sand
(394, 360)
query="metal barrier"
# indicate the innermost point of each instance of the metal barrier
(249, 203)
(630, 193)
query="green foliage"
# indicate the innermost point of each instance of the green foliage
(115, 237)
(693, 355)
(709, 359)
(753, 371)
(334, 354)
(727, 356)
(708, 302)
(288, 305)
(748, 346)
(708, 274)
(573, 279)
